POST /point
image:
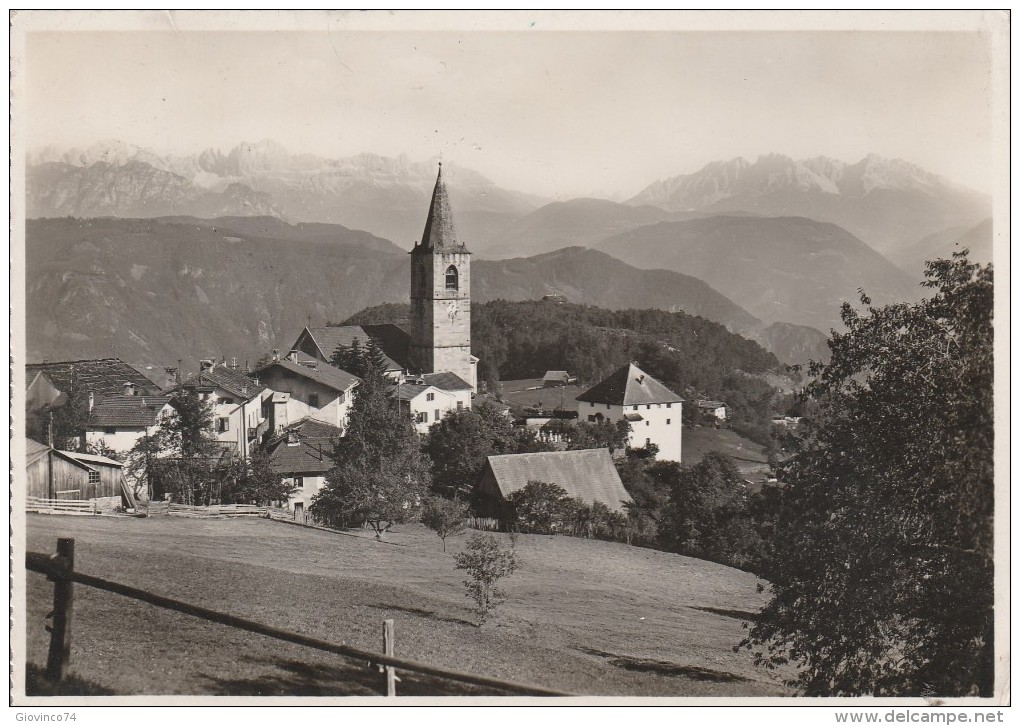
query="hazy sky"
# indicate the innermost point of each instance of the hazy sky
(556, 113)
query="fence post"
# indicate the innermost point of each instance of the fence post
(391, 679)
(63, 604)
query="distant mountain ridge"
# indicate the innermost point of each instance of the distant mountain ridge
(381, 195)
(885, 202)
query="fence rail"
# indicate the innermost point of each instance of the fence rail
(60, 569)
(487, 524)
(172, 509)
(60, 506)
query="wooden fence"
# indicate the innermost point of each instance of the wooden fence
(488, 524)
(61, 506)
(171, 509)
(59, 568)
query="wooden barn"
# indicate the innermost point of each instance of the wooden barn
(55, 474)
(587, 474)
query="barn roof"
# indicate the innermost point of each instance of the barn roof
(33, 450)
(555, 376)
(92, 459)
(133, 411)
(327, 375)
(588, 474)
(629, 385)
(393, 340)
(103, 376)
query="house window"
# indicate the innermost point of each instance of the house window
(438, 415)
(636, 407)
(451, 278)
(223, 424)
(227, 401)
(648, 442)
(109, 430)
(667, 422)
(421, 417)
(460, 405)
(93, 477)
(648, 423)
(340, 398)
(669, 405)
(591, 417)
(313, 400)
(649, 407)
(299, 482)
(430, 397)
(608, 405)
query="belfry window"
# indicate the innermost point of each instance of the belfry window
(451, 278)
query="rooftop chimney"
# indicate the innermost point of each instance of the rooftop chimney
(129, 389)
(92, 401)
(206, 364)
(276, 354)
(292, 356)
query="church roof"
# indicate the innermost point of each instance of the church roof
(440, 234)
(629, 385)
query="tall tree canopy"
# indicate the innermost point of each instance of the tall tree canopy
(881, 569)
(381, 474)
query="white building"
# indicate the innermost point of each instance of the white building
(240, 413)
(119, 421)
(301, 455)
(304, 387)
(430, 396)
(652, 410)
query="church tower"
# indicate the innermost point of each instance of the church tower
(441, 296)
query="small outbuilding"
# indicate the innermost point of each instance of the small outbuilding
(70, 475)
(587, 474)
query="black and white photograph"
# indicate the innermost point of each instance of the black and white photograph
(511, 358)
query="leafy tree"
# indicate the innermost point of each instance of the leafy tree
(706, 513)
(445, 517)
(882, 562)
(540, 507)
(253, 481)
(486, 564)
(381, 474)
(460, 443)
(359, 360)
(602, 434)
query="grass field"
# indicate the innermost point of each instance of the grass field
(587, 617)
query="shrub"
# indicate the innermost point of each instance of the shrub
(539, 508)
(444, 516)
(486, 563)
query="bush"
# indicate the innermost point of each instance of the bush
(540, 508)
(444, 516)
(486, 563)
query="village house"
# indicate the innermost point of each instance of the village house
(54, 474)
(304, 387)
(716, 409)
(322, 342)
(117, 422)
(652, 410)
(301, 455)
(431, 396)
(586, 474)
(552, 379)
(239, 405)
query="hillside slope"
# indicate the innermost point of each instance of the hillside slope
(590, 277)
(583, 616)
(779, 269)
(978, 240)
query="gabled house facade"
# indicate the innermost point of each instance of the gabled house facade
(54, 474)
(652, 410)
(305, 387)
(301, 455)
(429, 397)
(119, 421)
(238, 402)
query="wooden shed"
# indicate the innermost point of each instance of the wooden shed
(55, 474)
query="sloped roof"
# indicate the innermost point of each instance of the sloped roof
(588, 474)
(629, 385)
(711, 404)
(133, 411)
(310, 455)
(440, 233)
(447, 381)
(327, 375)
(92, 458)
(103, 376)
(236, 383)
(33, 450)
(555, 376)
(393, 340)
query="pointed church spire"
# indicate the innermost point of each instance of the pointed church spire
(440, 233)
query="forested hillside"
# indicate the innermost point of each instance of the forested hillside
(693, 356)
